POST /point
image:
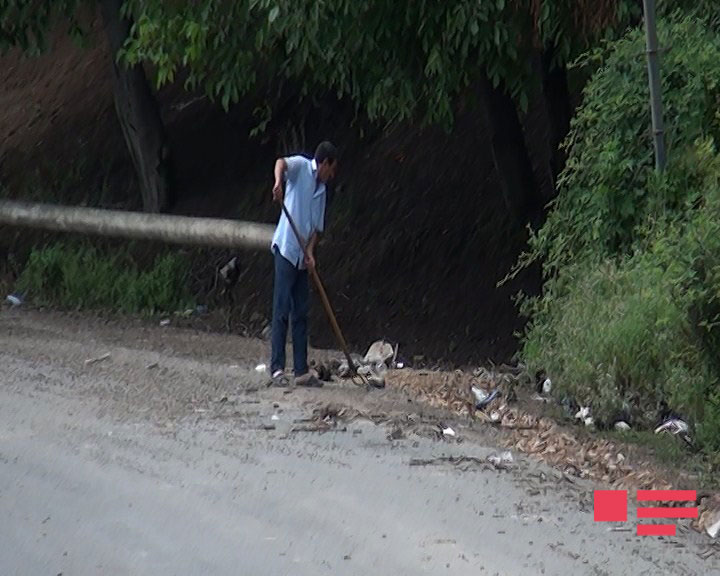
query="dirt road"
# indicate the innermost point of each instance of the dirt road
(167, 457)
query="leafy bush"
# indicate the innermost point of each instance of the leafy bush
(628, 334)
(81, 276)
(629, 318)
(608, 188)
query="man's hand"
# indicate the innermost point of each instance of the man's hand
(277, 192)
(310, 260)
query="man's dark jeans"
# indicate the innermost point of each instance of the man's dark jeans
(290, 295)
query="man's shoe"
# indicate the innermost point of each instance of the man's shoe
(279, 380)
(308, 380)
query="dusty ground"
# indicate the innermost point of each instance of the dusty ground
(159, 460)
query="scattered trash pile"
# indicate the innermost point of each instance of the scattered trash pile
(489, 395)
(373, 367)
(446, 390)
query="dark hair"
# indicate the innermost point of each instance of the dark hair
(325, 151)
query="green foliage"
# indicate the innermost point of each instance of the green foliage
(83, 277)
(393, 59)
(26, 23)
(607, 188)
(630, 311)
(631, 332)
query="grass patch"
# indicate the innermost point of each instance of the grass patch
(672, 453)
(82, 276)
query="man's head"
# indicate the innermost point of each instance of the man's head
(326, 159)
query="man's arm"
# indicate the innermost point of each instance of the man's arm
(318, 222)
(280, 168)
(310, 258)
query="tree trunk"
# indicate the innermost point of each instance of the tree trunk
(560, 106)
(510, 157)
(544, 127)
(139, 116)
(538, 134)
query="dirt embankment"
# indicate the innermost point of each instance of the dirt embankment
(418, 232)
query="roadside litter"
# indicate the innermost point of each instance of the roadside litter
(463, 463)
(374, 366)
(379, 353)
(14, 299)
(709, 517)
(483, 398)
(501, 461)
(584, 416)
(572, 456)
(230, 272)
(547, 386)
(714, 529)
(261, 368)
(165, 322)
(676, 427)
(449, 432)
(91, 361)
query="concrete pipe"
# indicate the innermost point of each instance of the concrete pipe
(138, 225)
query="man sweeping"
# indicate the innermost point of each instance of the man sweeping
(300, 184)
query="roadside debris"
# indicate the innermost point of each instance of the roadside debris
(375, 374)
(379, 353)
(501, 461)
(676, 427)
(483, 398)
(261, 368)
(480, 394)
(572, 457)
(547, 386)
(165, 322)
(584, 416)
(709, 518)
(464, 463)
(230, 273)
(344, 368)
(714, 529)
(373, 366)
(449, 432)
(91, 361)
(447, 390)
(14, 299)
(152, 366)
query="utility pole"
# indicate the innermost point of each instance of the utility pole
(655, 91)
